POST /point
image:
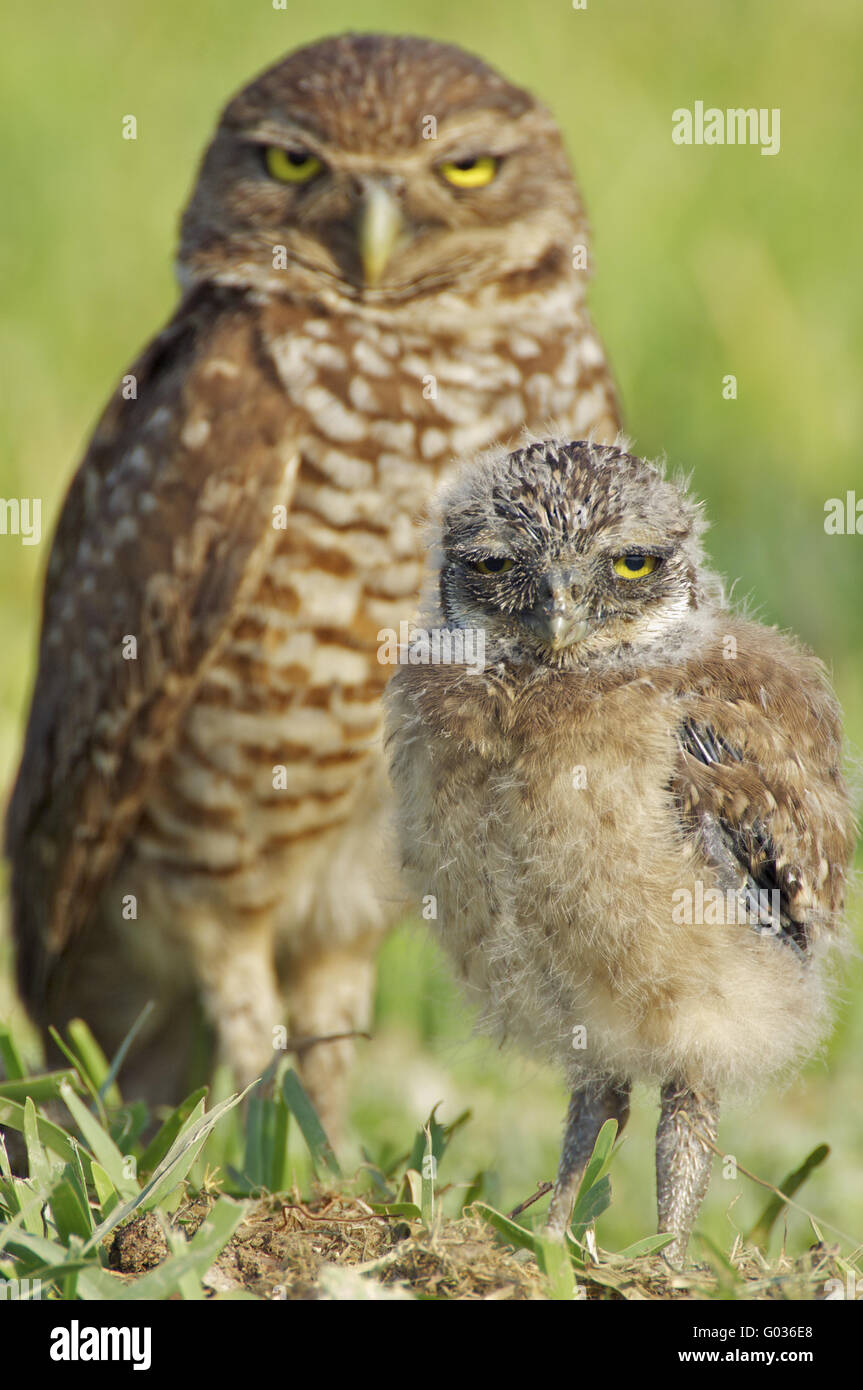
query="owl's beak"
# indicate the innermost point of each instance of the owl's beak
(560, 629)
(564, 629)
(559, 619)
(380, 223)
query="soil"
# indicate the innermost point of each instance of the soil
(335, 1248)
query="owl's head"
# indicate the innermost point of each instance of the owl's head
(571, 554)
(377, 168)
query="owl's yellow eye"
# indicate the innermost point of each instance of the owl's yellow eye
(494, 564)
(292, 166)
(634, 564)
(469, 173)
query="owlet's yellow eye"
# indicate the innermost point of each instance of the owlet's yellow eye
(292, 166)
(634, 564)
(469, 173)
(493, 564)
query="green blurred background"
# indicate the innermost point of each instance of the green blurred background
(709, 261)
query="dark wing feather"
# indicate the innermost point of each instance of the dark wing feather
(166, 529)
(758, 779)
(743, 854)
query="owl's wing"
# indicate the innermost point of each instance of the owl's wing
(165, 532)
(758, 780)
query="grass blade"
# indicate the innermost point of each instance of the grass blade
(760, 1233)
(96, 1285)
(100, 1142)
(10, 1056)
(406, 1210)
(38, 1251)
(51, 1135)
(75, 1061)
(319, 1146)
(512, 1233)
(600, 1158)
(162, 1141)
(38, 1164)
(266, 1161)
(553, 1259)
(37, 1088)
(429, 1173)
(70, 1209)
(649, 1245)
(106, 1193)
(591, 1203)
(94, 1061)
(107, 1088)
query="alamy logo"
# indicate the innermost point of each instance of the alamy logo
(21, 516)
(437, 646)
(713, 907)
(843, 516)
(835, 1289)
(20, 1290)
(77, 1343)
(737, 126)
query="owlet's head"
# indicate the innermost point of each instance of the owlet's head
(377, 168)
(570, 554)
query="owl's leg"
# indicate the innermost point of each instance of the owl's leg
(240, 994)
(683, 1160)
(326, 993)
(588, 1111)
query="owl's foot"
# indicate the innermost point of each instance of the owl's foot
(687, 1120)
(588, 1111)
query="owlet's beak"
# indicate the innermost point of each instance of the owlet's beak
(380, 224)
(558, 618)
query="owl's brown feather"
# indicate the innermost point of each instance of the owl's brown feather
(162, 540)
(229, 781)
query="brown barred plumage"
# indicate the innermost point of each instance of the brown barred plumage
(251, 520)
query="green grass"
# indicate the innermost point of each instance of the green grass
(708, 261)
(100, 1210)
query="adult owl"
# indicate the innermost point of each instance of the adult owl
(381, 265)
(632, 819)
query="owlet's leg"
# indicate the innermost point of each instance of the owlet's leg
(588, 1111)
(683, 1160)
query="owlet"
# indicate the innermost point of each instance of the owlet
(627, 805)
